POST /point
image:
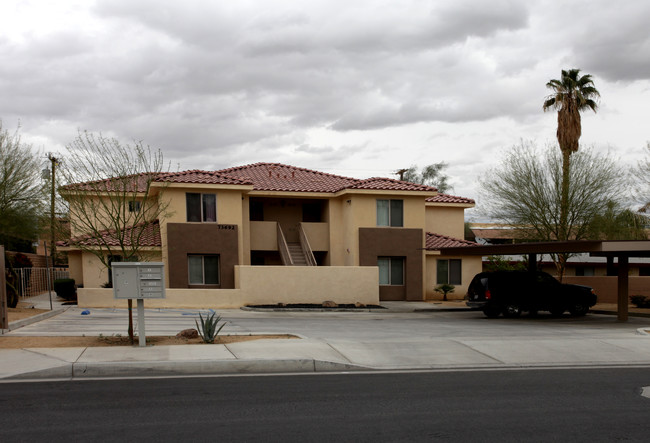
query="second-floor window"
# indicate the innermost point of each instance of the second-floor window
(390, 213)
(134, 206)
(201, 207)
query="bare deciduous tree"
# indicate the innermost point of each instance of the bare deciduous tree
(113, 197)
(525, 190)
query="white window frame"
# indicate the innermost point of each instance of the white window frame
(203, 217)
(447, 277)
(203, 269)
(389, 261)
(392, 218)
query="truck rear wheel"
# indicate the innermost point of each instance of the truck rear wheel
(491, 311)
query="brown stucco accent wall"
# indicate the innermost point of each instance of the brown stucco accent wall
(395, 242)
(201, 238)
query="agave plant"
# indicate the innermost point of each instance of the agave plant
(209, 327)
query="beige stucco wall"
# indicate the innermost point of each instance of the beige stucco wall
(75, 267)
(94, 211)
(308, 284)
(360, 210)
(264, 236)
(469, 268)
(317, 235)
(446, 220)
(174, 298)
(229, 208)
(95, 274)
(263, 285)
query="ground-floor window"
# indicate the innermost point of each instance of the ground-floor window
(391, 270)
(585, 271)
(203, 269)
(449, 272)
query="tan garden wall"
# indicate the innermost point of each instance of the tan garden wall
(262, 285)
(606, 287)
(308, 284)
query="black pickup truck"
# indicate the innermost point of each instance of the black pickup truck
(512, 292)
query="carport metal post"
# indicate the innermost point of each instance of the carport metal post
(532, 262)
(623, 286)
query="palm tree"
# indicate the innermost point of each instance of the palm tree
(572, 94)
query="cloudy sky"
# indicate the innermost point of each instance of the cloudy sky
(354, 88)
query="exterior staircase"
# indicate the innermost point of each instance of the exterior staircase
(297, 256)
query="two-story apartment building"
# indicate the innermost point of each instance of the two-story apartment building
(273, 233)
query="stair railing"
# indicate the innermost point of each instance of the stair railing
(283, 248)
(306, 247)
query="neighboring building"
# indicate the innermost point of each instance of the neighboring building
(235, 226)
(578, 265)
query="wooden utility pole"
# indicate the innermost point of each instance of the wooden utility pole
(4, 320)
(54, 162)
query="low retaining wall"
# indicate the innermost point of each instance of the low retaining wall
(606, 287)
(262, 285)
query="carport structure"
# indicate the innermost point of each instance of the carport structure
(619, 250)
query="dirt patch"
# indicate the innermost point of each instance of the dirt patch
(17, 342)
(23, 310)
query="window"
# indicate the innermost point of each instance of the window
(391, 270)
(203, 269)
(390, 213)
(449, 272)
(201, 207)
(585, 271)
(134, 206)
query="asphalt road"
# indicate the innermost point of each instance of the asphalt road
(523, 405)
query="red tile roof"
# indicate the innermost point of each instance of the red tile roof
(388, 184)
(147, 234)
(445, 198)
(129, 183)
(437, 241)
(202, 177)
(279, 177)
(271, 177)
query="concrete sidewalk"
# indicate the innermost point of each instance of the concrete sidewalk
(414, 336)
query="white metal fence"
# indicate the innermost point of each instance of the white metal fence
(34, 281)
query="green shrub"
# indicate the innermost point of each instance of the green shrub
(209, 327)
(445, 289)
(640, 301)
(65, 288)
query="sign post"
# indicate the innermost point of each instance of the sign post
(135, 280)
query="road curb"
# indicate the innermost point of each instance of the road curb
(125, 369)
(629, 314)
(35, 318)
